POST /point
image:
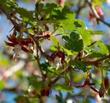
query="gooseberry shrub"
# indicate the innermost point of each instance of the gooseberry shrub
(62, 50)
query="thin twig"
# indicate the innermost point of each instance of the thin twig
(59, 76)
(36, 43)
(94, 89)
(80, 7)
(96, 15)
(96, 62)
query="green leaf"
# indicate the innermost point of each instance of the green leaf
(99, 49)
(68, 52)
(96, 32)
(73, 42)
(33, 81)
(79, 24)
(108, 46)
(9, 5)
(45, 66)
(2, 85)
(97, 2)
(80, 65)
(68, 23)
(86, 36)
(25, 13)
(62, 87)
(55, 12)
(78, 78)
(50, 11)
(53, 48)
(54, 40)
(4, 61)
(31, 31)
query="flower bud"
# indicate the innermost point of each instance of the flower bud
(100, 12)
(61, 2)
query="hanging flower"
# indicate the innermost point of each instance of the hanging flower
(23, 43)
(61, 2)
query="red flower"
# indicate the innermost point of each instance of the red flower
(24, 43)
(59, 54)
(61, 2)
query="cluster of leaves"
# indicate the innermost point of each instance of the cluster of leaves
(64, 61)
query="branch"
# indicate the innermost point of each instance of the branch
(96, 15)
(96, 62)
(17, 26)
(80, 7)
(59, 76)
